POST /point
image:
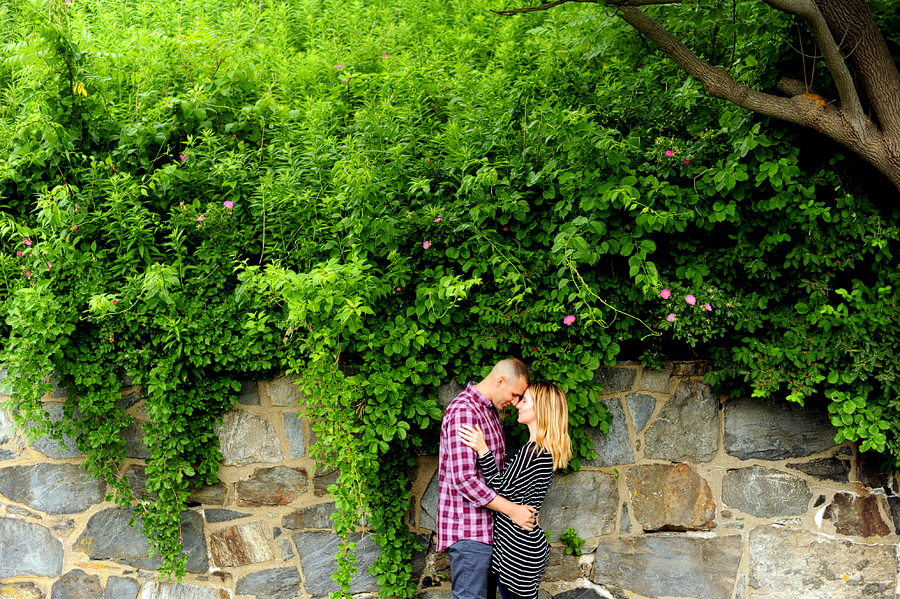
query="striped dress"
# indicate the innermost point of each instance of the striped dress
(520, 556)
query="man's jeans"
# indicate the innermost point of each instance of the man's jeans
(470, 570)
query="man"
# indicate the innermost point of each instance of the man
(465, 521)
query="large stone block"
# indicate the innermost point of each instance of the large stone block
(119, 587)
(656, 381)
(7, 455)
(52, 488)
(220, 515)
(168, 590)
(857, 515)
(134, 441)
(775, 430)
(562, 567)
(671, 498)
(833, 469)
(641, 407)
(245, 438)
(277, 583)
(272, 486)
(428, 515)
(316, 516)
(585, 501)
(7, 426)
(52, 448)
(664, 565)
(687, 427)
(614, 448)
(21, 590)
(75, 584)
(293, 432)
(28, 549)
(616, 379)
(316, 551)
(765, 493)
(108, 536)
(282, 391)
(249, 395)
(241, 545)
(448, 391)
(788, 563)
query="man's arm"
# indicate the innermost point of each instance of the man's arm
(523, 515)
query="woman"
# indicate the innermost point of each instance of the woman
(520, 556)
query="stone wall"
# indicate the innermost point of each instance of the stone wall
(690, 497)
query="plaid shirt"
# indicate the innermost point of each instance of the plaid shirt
(462, 492)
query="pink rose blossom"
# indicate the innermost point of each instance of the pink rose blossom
(426, 244)
(569, 320)
(438, 219)
(27, 274)
(690, 299)
(228, 204)
(686, 160)
(665, 294)
(76, 227)
(671, 317)
(338, 67)
(506, 228)
(182, 157)
(18, 253)
(670, 153)
(115, 301)
(201, 218)
(27, 241)
(384, 55)
(707, 307)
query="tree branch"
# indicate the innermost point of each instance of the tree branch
(807, 9)
(516, 11)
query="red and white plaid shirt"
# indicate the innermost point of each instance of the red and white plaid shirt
(462, 492)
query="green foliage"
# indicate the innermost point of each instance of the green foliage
(381, 198)
(572, 542)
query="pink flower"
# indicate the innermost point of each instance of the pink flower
(228, 204)
(690, 299)
(18, 253)
(428, 160)
(27, 274)
(68, 1)
(506, 228)
(671, 317)
(438, 219)
(670, 153)
(665, 294)
(398, 289)
(234, 135)
(27, 241)
(426, 244)
(182, 157)
(345, 79)
(201, 218)
(115, 302)
(49, 266)
(338, 67)
(569, 320)
(686, 160)
(707, 307)
(384, 55)
(76, 227)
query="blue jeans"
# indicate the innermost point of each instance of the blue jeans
(505, 593)
(470, 570)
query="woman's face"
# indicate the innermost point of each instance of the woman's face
(526, 408)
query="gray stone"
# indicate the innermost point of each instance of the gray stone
(428, 515)
(75, 584)
(656, 381)
(28, 549)
(20, 511)
(277, 583)
(119, 587)
(108, 536)
(794, 563)
(7, 426)
(610, 592)
(671, 498)
(293, 431)
(64, 527)
(765, 493)
(616, 379)
(154, 589)
(834, 469)
(317, 516)
(323, 479)
(641, 407)
(5, 388)
(562, 567)
(448, 391)
(52, 488)
(282, 391)
(894, 505)
(52, 448)
(272, 486)
(220, 515)
(613, 448)
(7, 455)
(214, 494)
(871, 470)
(134, 441)
(245, 438)
(137, 481)
(127, 401)
(58, 391)
(687, 427)
(585, 501)
(857, 515)
(689, 368)
(241, 545)
(775, 430)
(669, 566)
(741, 588)
(249, 395)
(624, 521)
(287, 550)
(316, 551)
(21, 590)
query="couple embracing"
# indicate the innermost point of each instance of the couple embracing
(488, 509)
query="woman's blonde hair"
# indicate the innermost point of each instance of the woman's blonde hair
(551, 409)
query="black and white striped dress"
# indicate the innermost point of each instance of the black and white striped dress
(520, 556)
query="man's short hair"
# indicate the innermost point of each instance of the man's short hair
(513, 369)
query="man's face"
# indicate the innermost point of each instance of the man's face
(509, 392)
